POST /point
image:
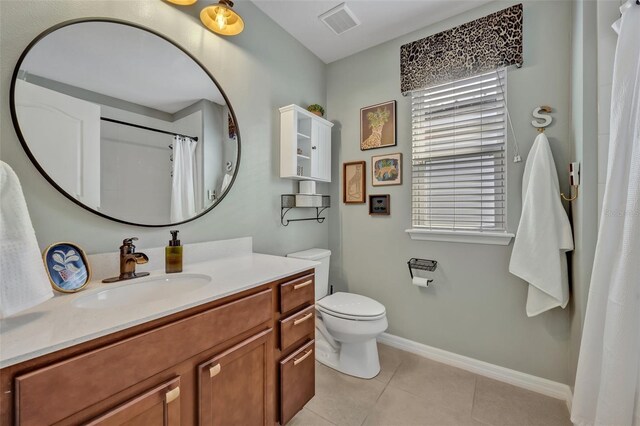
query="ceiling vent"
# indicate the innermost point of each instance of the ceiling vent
(340, 19)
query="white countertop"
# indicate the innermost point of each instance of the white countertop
(58, 324)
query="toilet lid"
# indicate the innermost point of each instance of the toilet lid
(352, 305)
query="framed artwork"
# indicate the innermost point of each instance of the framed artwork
(67, 267)
(386, 169)
(380, 205)
(354, 184)
(378, 126)
(232, 127)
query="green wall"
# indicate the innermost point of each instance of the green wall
(477, 308)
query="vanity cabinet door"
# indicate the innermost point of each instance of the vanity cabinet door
(236, 386)
(321, 152)
(159, 406)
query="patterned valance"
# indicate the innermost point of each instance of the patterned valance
(478, 46)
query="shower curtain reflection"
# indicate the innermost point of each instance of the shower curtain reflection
(183, 199)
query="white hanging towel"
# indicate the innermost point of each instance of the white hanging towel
(544, 234)
(226, 180)
(23, 279)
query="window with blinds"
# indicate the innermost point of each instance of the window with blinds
(459, 150)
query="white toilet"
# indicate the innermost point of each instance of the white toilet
(346, 324)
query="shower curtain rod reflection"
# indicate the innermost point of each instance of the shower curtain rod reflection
(111, 120)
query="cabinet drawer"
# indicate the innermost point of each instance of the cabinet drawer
(297, 381)
(297, 326)
(55, 392)
(297, 293)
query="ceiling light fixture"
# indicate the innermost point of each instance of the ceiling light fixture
(182, 2)
(221, 19)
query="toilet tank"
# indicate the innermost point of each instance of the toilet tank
(322, 270)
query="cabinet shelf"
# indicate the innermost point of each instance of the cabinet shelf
(303, 136)
(306, 157)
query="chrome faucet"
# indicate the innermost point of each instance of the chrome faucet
(128, 261)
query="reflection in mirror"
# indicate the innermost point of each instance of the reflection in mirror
(125, 123)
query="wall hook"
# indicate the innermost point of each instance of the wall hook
(574, 181)
(573, 197)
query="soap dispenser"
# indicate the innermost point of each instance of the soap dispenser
(173, 254)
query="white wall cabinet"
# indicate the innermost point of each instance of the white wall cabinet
(305, 145)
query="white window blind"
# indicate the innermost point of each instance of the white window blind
(459, 144)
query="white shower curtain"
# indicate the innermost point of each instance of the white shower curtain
(183, 188)
(607, 390)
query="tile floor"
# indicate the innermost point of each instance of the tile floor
(411, 390)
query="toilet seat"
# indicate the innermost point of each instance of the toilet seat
(351, 306)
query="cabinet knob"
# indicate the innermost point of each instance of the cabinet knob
(172, 395)
(213, 371)
(313, 147)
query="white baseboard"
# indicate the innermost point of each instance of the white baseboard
(492, 371)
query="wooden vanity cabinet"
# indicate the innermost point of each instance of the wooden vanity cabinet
(215, 364)
(69, 390)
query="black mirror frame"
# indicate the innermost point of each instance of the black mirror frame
(25, 146)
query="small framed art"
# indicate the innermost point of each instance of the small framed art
(354, 184)
(386, 169)
(378, 126)
(67, 267)
(379, 205)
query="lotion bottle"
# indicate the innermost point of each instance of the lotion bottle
(173, 254)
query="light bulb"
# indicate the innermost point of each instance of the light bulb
(221, 20)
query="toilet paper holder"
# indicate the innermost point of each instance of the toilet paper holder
(421, 264)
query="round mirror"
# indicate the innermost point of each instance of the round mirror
(124, 122)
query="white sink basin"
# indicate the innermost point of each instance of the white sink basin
(143, 290)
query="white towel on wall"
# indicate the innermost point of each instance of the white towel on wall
(226, 180)
(544, 234)
(23, 279)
